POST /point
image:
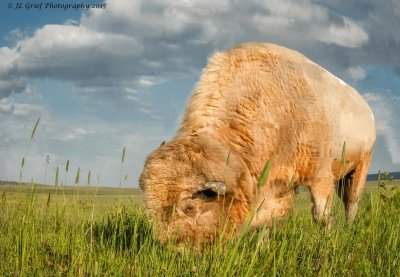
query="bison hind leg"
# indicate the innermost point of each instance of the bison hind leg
(351, 186)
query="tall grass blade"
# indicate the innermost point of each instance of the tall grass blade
(27, 150)
(123, 155)
(48, 200)
(227, 158)
(66, 173)
(344, 155)
(88, 179)
(264, 174)
(21, 169)
(77, 176)
(122, 166)
(34, 128)
(56, 180)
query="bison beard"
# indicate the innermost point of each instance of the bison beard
(254, 103)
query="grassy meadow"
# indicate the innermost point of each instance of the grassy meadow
(92, 231)
(89, 231)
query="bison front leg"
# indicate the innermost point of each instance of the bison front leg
(274, 202)
(322, 191)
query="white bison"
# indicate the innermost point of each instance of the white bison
(255, 103)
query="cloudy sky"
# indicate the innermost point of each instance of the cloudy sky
(102, 79)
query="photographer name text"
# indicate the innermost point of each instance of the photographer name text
(52, 5)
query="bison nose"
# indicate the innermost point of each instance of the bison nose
(186, 211)
(190, 210)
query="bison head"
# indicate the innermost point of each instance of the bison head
(195, 190)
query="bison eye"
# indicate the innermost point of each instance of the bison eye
(207, 195)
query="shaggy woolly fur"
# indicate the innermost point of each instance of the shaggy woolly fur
(254, 103)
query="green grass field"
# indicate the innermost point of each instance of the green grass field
(88, 231)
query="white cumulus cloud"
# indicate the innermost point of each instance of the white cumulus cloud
(357, 73)
(384, 107)
(141, 41)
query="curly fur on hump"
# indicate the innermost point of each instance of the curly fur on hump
(259, 102)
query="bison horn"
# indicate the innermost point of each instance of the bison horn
(217, 187)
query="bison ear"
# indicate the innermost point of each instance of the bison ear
(217, 187)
